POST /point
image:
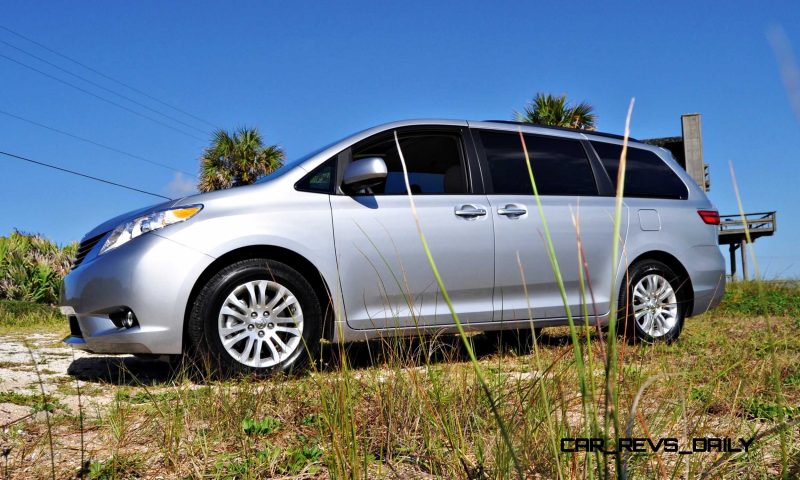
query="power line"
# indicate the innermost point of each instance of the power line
(119, 82)
(118, 105)
(109, 182)
(98, 144)
(98, 85)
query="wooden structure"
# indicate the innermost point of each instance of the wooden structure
(688, 149)
(734, 231)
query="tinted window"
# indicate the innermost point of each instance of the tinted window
(646, 175)
(434, 163)
(320, 179)
(560, 166)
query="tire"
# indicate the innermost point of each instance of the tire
(652, 304)
(235, 326)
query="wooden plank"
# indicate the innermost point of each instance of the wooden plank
(693, 148)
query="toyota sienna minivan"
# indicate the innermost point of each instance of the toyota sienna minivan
(254, 277)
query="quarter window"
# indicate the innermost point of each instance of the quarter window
(320, 180)
(434, 162)
(560, 165)
(646, 175)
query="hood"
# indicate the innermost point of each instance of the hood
(125, 217)
(245, 193)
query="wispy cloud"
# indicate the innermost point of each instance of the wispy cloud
(790, 72)
(181, 185)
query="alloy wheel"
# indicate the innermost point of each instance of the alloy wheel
(260, 323)
(655, 305)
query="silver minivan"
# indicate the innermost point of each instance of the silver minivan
(254, 277)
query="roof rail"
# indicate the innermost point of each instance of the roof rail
(577, 130)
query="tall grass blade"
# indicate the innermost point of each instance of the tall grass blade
(82, 470)
(551, 254)
(775, 375)
(46, 409)
(541, 369)
(612, 400)
(462, 333)
(747, 237)
(790, 72)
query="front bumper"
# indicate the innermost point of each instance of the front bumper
(152, 276)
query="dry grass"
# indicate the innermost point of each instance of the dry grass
(393, 413)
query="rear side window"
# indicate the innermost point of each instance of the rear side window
(646, 175)
(560, 165)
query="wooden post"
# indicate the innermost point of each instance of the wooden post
(732, 252)
(744, 260)
(693, 148)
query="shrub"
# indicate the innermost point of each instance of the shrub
(21, 317)
(765, 298)
(32, 267)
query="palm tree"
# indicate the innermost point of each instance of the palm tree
(546, 109)
(236, 158)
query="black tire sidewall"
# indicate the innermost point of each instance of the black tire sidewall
(203, 332)
(631, 328)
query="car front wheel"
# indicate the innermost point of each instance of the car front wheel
(255, 316)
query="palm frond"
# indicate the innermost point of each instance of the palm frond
(237, 158)
(547, 109)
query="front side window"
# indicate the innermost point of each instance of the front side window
(646, 175)
(435, 163)
(560, 165)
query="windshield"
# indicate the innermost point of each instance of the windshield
(286, 167)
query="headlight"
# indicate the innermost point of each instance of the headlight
(147, 223)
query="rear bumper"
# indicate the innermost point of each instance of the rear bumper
(152, 276)
(706, 267)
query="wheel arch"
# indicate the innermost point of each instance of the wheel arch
(675, 264)
(271, 252)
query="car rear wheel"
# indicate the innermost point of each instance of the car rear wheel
(651, 303)
(255, 316)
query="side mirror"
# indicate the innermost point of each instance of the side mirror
(364, 172)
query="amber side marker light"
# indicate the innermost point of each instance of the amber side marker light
(710, 217)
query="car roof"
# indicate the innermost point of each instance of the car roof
(563, 129)
(503, 124)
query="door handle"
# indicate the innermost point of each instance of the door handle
(512, 211)
(470, 211)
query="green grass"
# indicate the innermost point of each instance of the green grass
(35, 401)
(115, 467)
(264, 426)
(25, 317)
(762, 298)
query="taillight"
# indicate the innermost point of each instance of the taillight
(710, 217)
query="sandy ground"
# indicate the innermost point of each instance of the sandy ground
(62, 369)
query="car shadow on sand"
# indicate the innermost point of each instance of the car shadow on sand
(410, 352)
(121, 370)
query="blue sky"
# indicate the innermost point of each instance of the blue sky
(307, 73)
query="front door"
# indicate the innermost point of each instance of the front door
(386, 278)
